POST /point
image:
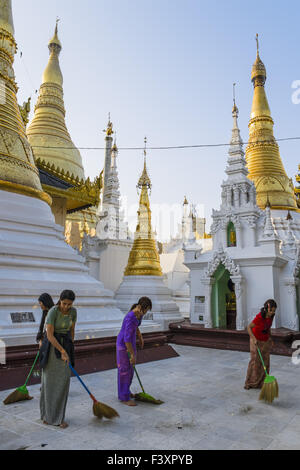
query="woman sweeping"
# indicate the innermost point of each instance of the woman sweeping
(259, 332)
(46, 302)
(56, 352)
(126, 343)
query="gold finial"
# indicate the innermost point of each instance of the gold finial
(144, 180)
(258, 74)
(109, 131)
(114, 147)
(234, 109)
(55, 41)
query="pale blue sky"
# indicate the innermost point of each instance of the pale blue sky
(164, 68)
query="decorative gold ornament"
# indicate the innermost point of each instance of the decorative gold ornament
(109, 130)
(83, 193)
(25, 110)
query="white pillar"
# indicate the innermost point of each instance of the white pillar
(241, 321)
(208, 282)
(291, 304)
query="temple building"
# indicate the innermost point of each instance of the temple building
(143, 275)
(256, 232)
(74, 198)
(34, 256)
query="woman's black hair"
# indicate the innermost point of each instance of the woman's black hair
(67, 295)
(144, 303)
(133, 307)
(46, 300)
(269, 303)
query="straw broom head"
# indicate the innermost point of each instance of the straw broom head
(16, 396)
(101, 410)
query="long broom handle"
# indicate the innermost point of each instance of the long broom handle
(82, 383)
(262, 360)
(137, 375)
(36, 358)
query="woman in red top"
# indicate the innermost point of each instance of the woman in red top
(259, 332)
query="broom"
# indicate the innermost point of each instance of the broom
(143, 396)
(21, 393)
(270, 388)
(99, 409)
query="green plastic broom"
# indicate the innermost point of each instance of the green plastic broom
(21, 393)
(143, 396)
(270, 388)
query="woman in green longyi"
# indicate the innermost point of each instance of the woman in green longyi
(56, 352)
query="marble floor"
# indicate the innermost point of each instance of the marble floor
(206, 407)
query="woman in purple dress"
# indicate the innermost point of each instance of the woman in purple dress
(126, 343)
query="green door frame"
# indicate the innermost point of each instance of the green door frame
(218, 297)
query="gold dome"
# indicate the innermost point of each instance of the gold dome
(47, 132)
(264, 163)
(18, 172)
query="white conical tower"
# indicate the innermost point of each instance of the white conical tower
(111, 224)
(34, 257)
(238, 210)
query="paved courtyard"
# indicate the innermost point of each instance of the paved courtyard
(206, 407)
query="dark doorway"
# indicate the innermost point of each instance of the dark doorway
(231, 306)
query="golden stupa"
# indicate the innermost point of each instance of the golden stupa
(144, 258)
(18, 172)
(47, 132)
(264, 163)
(58, 160)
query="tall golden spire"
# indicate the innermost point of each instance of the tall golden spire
(18, 172)
(144, 258)
(264, 163)
(47, 132)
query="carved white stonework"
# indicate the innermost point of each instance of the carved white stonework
(296, 264)
(251, 221)
(269, 231)
(220, 257)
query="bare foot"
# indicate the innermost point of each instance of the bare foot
(63, 425)
(45, 422)
(129, 403)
